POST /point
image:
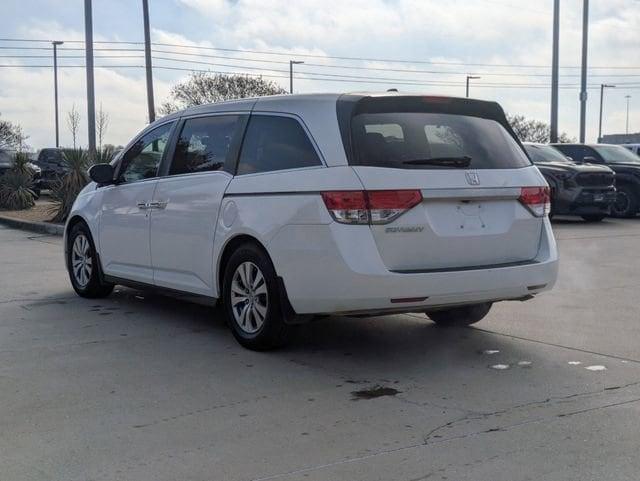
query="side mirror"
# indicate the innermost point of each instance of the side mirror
(102, 174)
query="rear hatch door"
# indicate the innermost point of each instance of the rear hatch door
(464, 159)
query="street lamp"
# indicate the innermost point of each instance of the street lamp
(91, 95)
(471, 77)
(583, 73)
(602, 87)
(628, 97)
(55, 44)
(291, 64)
(147, 61)
(555, 67)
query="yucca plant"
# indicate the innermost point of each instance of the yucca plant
(21, 163)
(16, 190)
(66, 189)
(16, 185)
(105, 154)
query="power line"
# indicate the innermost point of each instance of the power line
(386, 69)
(303, 76)
(292, 54)
(339, 67)
(70, 56)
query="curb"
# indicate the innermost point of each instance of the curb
(40, 227)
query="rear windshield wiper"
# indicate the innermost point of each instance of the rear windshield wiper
(463, 161)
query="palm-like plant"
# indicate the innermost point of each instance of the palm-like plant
(21, 163)
(67, 188)
(105, 154)
(16, 185)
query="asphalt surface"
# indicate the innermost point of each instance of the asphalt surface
(142, 387)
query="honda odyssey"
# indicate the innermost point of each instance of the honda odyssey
(287, 207)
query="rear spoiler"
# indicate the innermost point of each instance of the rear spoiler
(350, 105)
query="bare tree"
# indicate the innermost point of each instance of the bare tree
(73, 123)
(102, 124)
(11, 135)
(203, 88)
(529, 130)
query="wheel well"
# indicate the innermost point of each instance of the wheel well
(229, 249)
(75, 220)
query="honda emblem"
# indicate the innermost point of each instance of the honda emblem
(472, 177)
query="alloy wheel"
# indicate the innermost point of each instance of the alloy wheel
(81, 260)
(249, 297)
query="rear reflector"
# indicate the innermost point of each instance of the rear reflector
(536, 199)
(370, 207)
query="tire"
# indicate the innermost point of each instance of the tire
(460, 316)
(594, 217)
(626, 204)
(81, 253)
(253, 308)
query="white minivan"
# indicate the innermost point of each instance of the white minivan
(287, 207)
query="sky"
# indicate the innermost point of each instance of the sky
(506, 42)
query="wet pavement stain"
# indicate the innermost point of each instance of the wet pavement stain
(374, 392)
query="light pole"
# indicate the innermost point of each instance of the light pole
(91, 100)
(147, 61)
(55, 44)
(583, 80)
(628, 97)
(555, 71)
(471, 77)
(291, 64)
(602, 87)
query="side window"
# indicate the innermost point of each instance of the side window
(141, 161)
(204, 144)
(573, 151)
(275, 143)
(589, 152)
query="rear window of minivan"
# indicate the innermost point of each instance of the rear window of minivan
(422, 140)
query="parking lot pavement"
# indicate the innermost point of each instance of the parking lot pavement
(143, 387)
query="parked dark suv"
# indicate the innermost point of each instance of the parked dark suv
(623, 162)
(576, 189)
(52, 163)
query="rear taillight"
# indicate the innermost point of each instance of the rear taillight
(370, 207)
(347, 207)
(536, 199)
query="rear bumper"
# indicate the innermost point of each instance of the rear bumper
(337, 269)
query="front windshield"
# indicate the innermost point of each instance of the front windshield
(545, 153)
(615, 154)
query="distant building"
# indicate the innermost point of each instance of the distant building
(621, 139)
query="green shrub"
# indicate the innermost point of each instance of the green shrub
(66, 189)
(16, 190)
(104, 155)
(16, 185)
(21, 163)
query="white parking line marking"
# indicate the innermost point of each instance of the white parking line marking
(500, 367)
(596, 368)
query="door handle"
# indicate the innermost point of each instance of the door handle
(142, 205)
